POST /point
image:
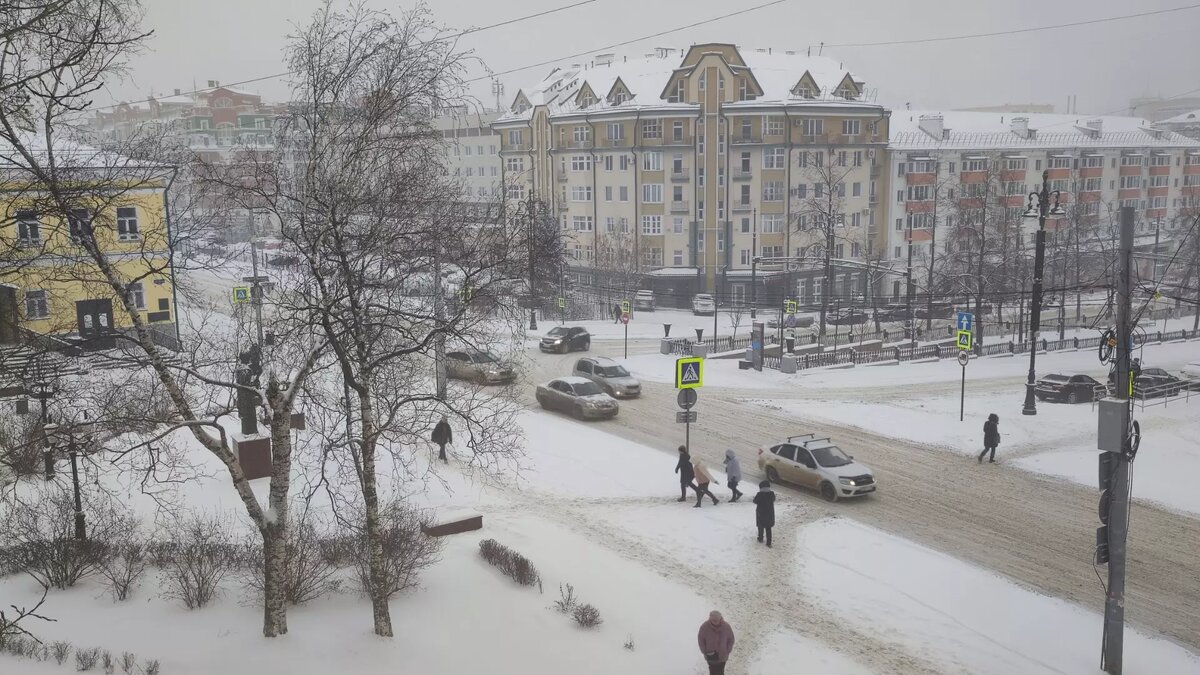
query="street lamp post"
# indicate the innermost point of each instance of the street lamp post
(1043, 210)
(53, 432)
(44, 391)
(754, 270)
(533, 210)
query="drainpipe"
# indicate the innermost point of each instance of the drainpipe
(171, 253)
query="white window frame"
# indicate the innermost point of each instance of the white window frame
(128, 228)
(581, 193)
(651, 225)
(138, 293)
(42, 303)
(652, 193)
(774, 158)
(652, 161)
(851, 127)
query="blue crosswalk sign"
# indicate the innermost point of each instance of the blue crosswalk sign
(965, 320)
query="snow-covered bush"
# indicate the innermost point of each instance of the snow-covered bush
(514, 565)
(407, 550)
(567, 599)
(308, 572)
(123, 569)
(61, 650)
(86, 659)
(20, 450)
(587, 616)
(204, 556)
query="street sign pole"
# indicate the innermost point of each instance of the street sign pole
(962, 393)
(626, 336)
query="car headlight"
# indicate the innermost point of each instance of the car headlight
(847, 481)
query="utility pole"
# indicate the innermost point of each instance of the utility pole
(439, 313)
(908, 286)
(1039, 262)
(1119, 453)
(754, 270)
(531, 212)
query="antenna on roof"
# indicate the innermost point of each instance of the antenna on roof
(821, 49)
(809, 52)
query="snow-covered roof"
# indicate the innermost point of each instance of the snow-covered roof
(777, 72)
(674, 272)
(1192, 117)
(963, 130)
(68, 155)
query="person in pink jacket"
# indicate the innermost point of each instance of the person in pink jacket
(716, 642)
(703, 478)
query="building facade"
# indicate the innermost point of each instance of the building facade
(681, 168)
(962, 177)
(472, 150)
(49, 284)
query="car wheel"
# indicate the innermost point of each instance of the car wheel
(587, 344)
(828, 492)
(1072, 398)
(772, 474)
(542, 402)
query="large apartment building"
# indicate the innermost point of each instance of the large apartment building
(961, 175)
(472, 149)
(687, 165)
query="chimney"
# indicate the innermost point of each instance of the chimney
(1020, 126)
(213, 84)
(1096, 123)
(177, 92)
(932, 125)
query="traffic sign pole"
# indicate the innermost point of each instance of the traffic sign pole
(962, 392)
(626, 322)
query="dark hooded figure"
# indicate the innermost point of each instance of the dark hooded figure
(443, 437)
(616, 313)
(991, 437)
(686, 473)
(764, 510)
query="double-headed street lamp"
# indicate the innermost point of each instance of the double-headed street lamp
(68, 436)
(1040, 208)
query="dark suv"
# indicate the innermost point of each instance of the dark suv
(566, 339)
(1068, 388)
(1151, 382)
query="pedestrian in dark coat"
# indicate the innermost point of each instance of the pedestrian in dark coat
(443, 437)
(702, 481)
(991, 438)
(716, 642)
(686, 474)
(616, 312)
(764, 511)
(733, 472)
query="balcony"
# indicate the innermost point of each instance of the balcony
(515, 147)
(680, 207)
(739, 174)
(745, 139)
(742, 207)
(679, 176)
(580, 145)
(616, 143)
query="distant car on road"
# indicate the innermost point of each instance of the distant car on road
(818, 464)
(848, 317)
(1068, 388)
(939, 310)
(565, 339)
(578, 397)
(477, 366)
(703, 304)
(610, 375)
(1151, 382)
(644, 301)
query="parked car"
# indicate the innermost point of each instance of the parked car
(477, 366)
(894, 312)
(819, 464)
(703, 304)
(578, 397)
(610, 375)
(1191, 373)
(1151, 382)
(848, 317)
(565, 339)
(1068, 388)
(940, 310)
(644, 301)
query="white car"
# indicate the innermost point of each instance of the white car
(1191, 373)
(578, 397)
(703, 303)
(610, 375)
(644, 301)
(818, 464)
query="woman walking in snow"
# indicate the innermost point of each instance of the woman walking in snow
(686, 474)
(764, 510)
(702, 480)
(733, 471)
(991, 437)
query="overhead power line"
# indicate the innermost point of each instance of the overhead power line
(631, 41)
(453, 36)
(1015, 31)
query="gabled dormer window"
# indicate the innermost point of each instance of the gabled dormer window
(587, 101)
(743, 89)
(804, 92)
(677, 97)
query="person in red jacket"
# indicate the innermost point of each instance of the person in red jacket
(716, 642)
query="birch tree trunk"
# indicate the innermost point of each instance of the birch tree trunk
(380, 611)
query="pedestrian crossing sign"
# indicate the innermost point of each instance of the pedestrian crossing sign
(789, 307)
(624, 306)
(689, 373)
(562, 302)
(964, 339)
(241, 294)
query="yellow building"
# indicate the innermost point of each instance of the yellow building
(108, 212)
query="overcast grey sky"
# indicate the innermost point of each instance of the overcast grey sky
(1104, 64)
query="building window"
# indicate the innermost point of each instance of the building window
(581, 223)
(515, 192)
(813, 127)
(896, 251)
(772, 223)
(677, 193)
(744, 197)
(79, 224)
(1131, 160)
(582, 134)
(1058, 163)
(652, 128)
(652, 257)
(616, 131)
(700, 240)
(1092, 184)
(677, 258)
(467, 150)
(1015, 164)
(1060, 184)
(851, 127)
(855, 220)
(819, 158)
(677, 225)
(801, 191)
(29, 229)
(918, 193)
(743, 89)
(855, 250)
(608, 193)
(1014, 188)
(773, 191)
(652, 193)
(773, 158)
(581, 193)
(975, 164)
(1131, 182)
(514, 164)
(857, 190)
(677, 131)
(652, 161)
(1160, 160)
(1158, 202)
(841, 158)
(623, 193)
(610, 224)
(652, 224)
(137, 294)
(37, 305)
(858, 158)
(1159, 181)
(774, 126)
(581, 162)
(624, 163)
(747, 129)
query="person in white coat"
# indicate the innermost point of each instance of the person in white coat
(733, 471)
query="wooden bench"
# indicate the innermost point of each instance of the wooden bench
(454, 522)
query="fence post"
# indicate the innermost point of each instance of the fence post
(806, 361)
